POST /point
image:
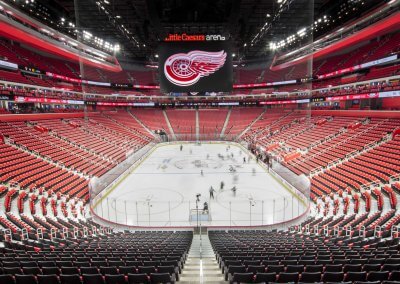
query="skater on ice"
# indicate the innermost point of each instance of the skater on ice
(181, 147)
(212, 190)
(235, 178)
(221, 188)
(244, 160)
(201, 173)
(234, 190)
(205, 207)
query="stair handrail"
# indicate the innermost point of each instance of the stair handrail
(378, 231)
(394, 231)
(24, 234)
(65, 233)
(363, 231)
(39, 233)
(348, 231)
(326, 230)
(53, 233)
(336, 230)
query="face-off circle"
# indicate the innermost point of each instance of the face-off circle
(196, 164)
(149, 196)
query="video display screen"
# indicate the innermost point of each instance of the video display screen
(195, 66)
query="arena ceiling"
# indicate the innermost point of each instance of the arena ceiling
(138, 25)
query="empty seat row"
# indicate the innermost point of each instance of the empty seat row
(313, 277)
(88, 279)
(314, 268)
(175, 261)
(90, 270)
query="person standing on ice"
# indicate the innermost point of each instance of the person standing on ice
(221, 188)
(234, 190)
(212, 190)
(205, 207)
(244, 160)
(201, 173)
(181, 147)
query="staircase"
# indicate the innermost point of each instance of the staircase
(225, 123)
(171, 130)
(197, 125)
(267, 128)
(251, 124)
(71, 69)
(126, 127)
(316, 71)
(141, 123)
(351, 156)
(102, 76)
(201, 265)
(23, 148)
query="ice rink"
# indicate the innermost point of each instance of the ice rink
(162, 190)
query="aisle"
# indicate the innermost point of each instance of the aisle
(201, 266)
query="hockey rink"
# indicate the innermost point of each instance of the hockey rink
(162, 190)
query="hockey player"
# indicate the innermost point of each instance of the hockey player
(205, 207)
(234, 189)
(212, 190)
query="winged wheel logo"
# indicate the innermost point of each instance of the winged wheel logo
(186, 69)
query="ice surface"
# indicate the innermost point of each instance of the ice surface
(162, 190)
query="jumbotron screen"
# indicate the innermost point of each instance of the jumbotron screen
(198, 66)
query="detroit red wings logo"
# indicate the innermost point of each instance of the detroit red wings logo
(186, 69)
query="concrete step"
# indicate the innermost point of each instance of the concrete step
(204, 280)
(201, 265)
